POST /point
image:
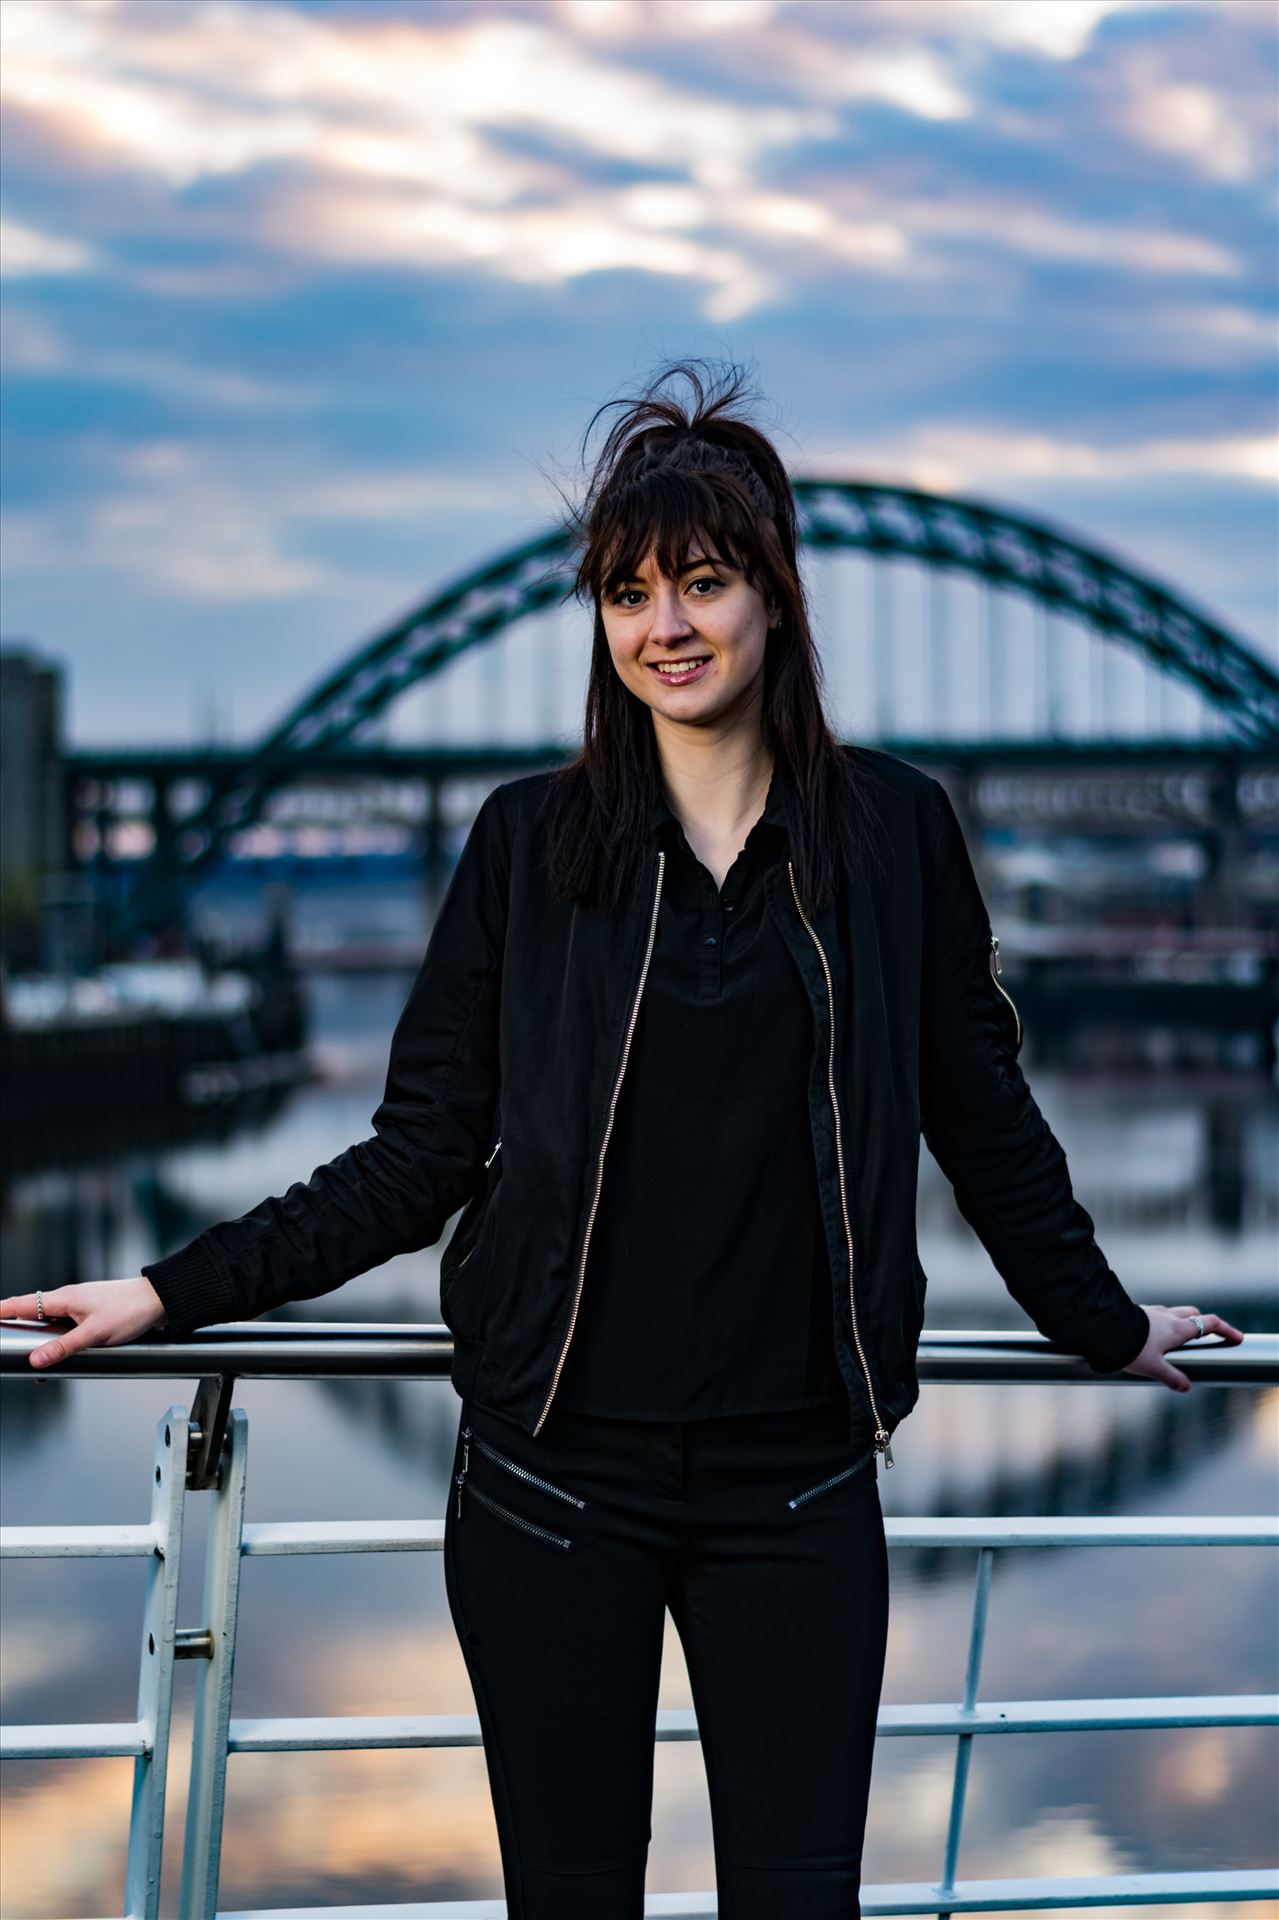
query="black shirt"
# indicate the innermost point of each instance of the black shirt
(708, 1286)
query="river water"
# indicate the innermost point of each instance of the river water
(371, 1634)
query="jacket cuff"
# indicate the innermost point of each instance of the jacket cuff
(195, 1292)
(1121, 1341)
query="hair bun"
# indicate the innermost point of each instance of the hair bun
(699, 454)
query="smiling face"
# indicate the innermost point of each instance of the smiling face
(692, 647)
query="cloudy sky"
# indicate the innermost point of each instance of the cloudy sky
(305, 301)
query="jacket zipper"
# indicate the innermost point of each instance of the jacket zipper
(995, 969)
(834, 1480)
(882, 1438)
(608, 1128)
(513, 1466)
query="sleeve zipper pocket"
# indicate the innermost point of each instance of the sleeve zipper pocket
(487, 1164)
(995, 970)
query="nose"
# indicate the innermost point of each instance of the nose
(670, 622)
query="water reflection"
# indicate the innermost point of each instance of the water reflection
(1180, 1177)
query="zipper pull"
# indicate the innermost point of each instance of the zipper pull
(466, 1462)
(994, 951)
(884, 1443)
(493, 1156)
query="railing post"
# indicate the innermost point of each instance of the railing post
(964, 1744)
(155, 1669)
(206, 1796)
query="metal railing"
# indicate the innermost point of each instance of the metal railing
(205, 1449)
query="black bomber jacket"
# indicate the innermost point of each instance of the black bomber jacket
(507, 1062)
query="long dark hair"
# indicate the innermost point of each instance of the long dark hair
(665, 475)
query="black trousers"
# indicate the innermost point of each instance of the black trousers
(762, 1534)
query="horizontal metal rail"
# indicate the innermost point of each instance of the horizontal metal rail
(356, 1732)
(276, 1537)
(213, 1439)
(269, 1349)
(974, 1896)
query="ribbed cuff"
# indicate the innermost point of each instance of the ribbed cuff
(1123, 1339)
(195, 1292)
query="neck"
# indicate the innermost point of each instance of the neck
(716, 785)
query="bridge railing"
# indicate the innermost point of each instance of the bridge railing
(205, 1449)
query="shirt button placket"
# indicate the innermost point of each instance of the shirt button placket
(710, 983)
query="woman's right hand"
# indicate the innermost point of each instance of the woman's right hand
(106, 1313)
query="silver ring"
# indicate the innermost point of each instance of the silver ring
(1199, 1326)
(40, 1313)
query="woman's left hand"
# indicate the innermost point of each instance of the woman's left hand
(1172, 1327)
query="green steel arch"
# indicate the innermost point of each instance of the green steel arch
(937, 531)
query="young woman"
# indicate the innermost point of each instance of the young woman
(687, 1007)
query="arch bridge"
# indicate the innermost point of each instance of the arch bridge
(982, 634)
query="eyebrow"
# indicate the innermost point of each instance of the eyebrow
(701, 560)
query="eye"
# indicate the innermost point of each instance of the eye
(616, 599)
(704, 580)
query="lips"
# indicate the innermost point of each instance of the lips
(694, 669)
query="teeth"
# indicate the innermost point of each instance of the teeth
(685, 666)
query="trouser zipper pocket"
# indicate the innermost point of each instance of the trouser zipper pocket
(833, 1481)
(471, 1438)
(515, 1519)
